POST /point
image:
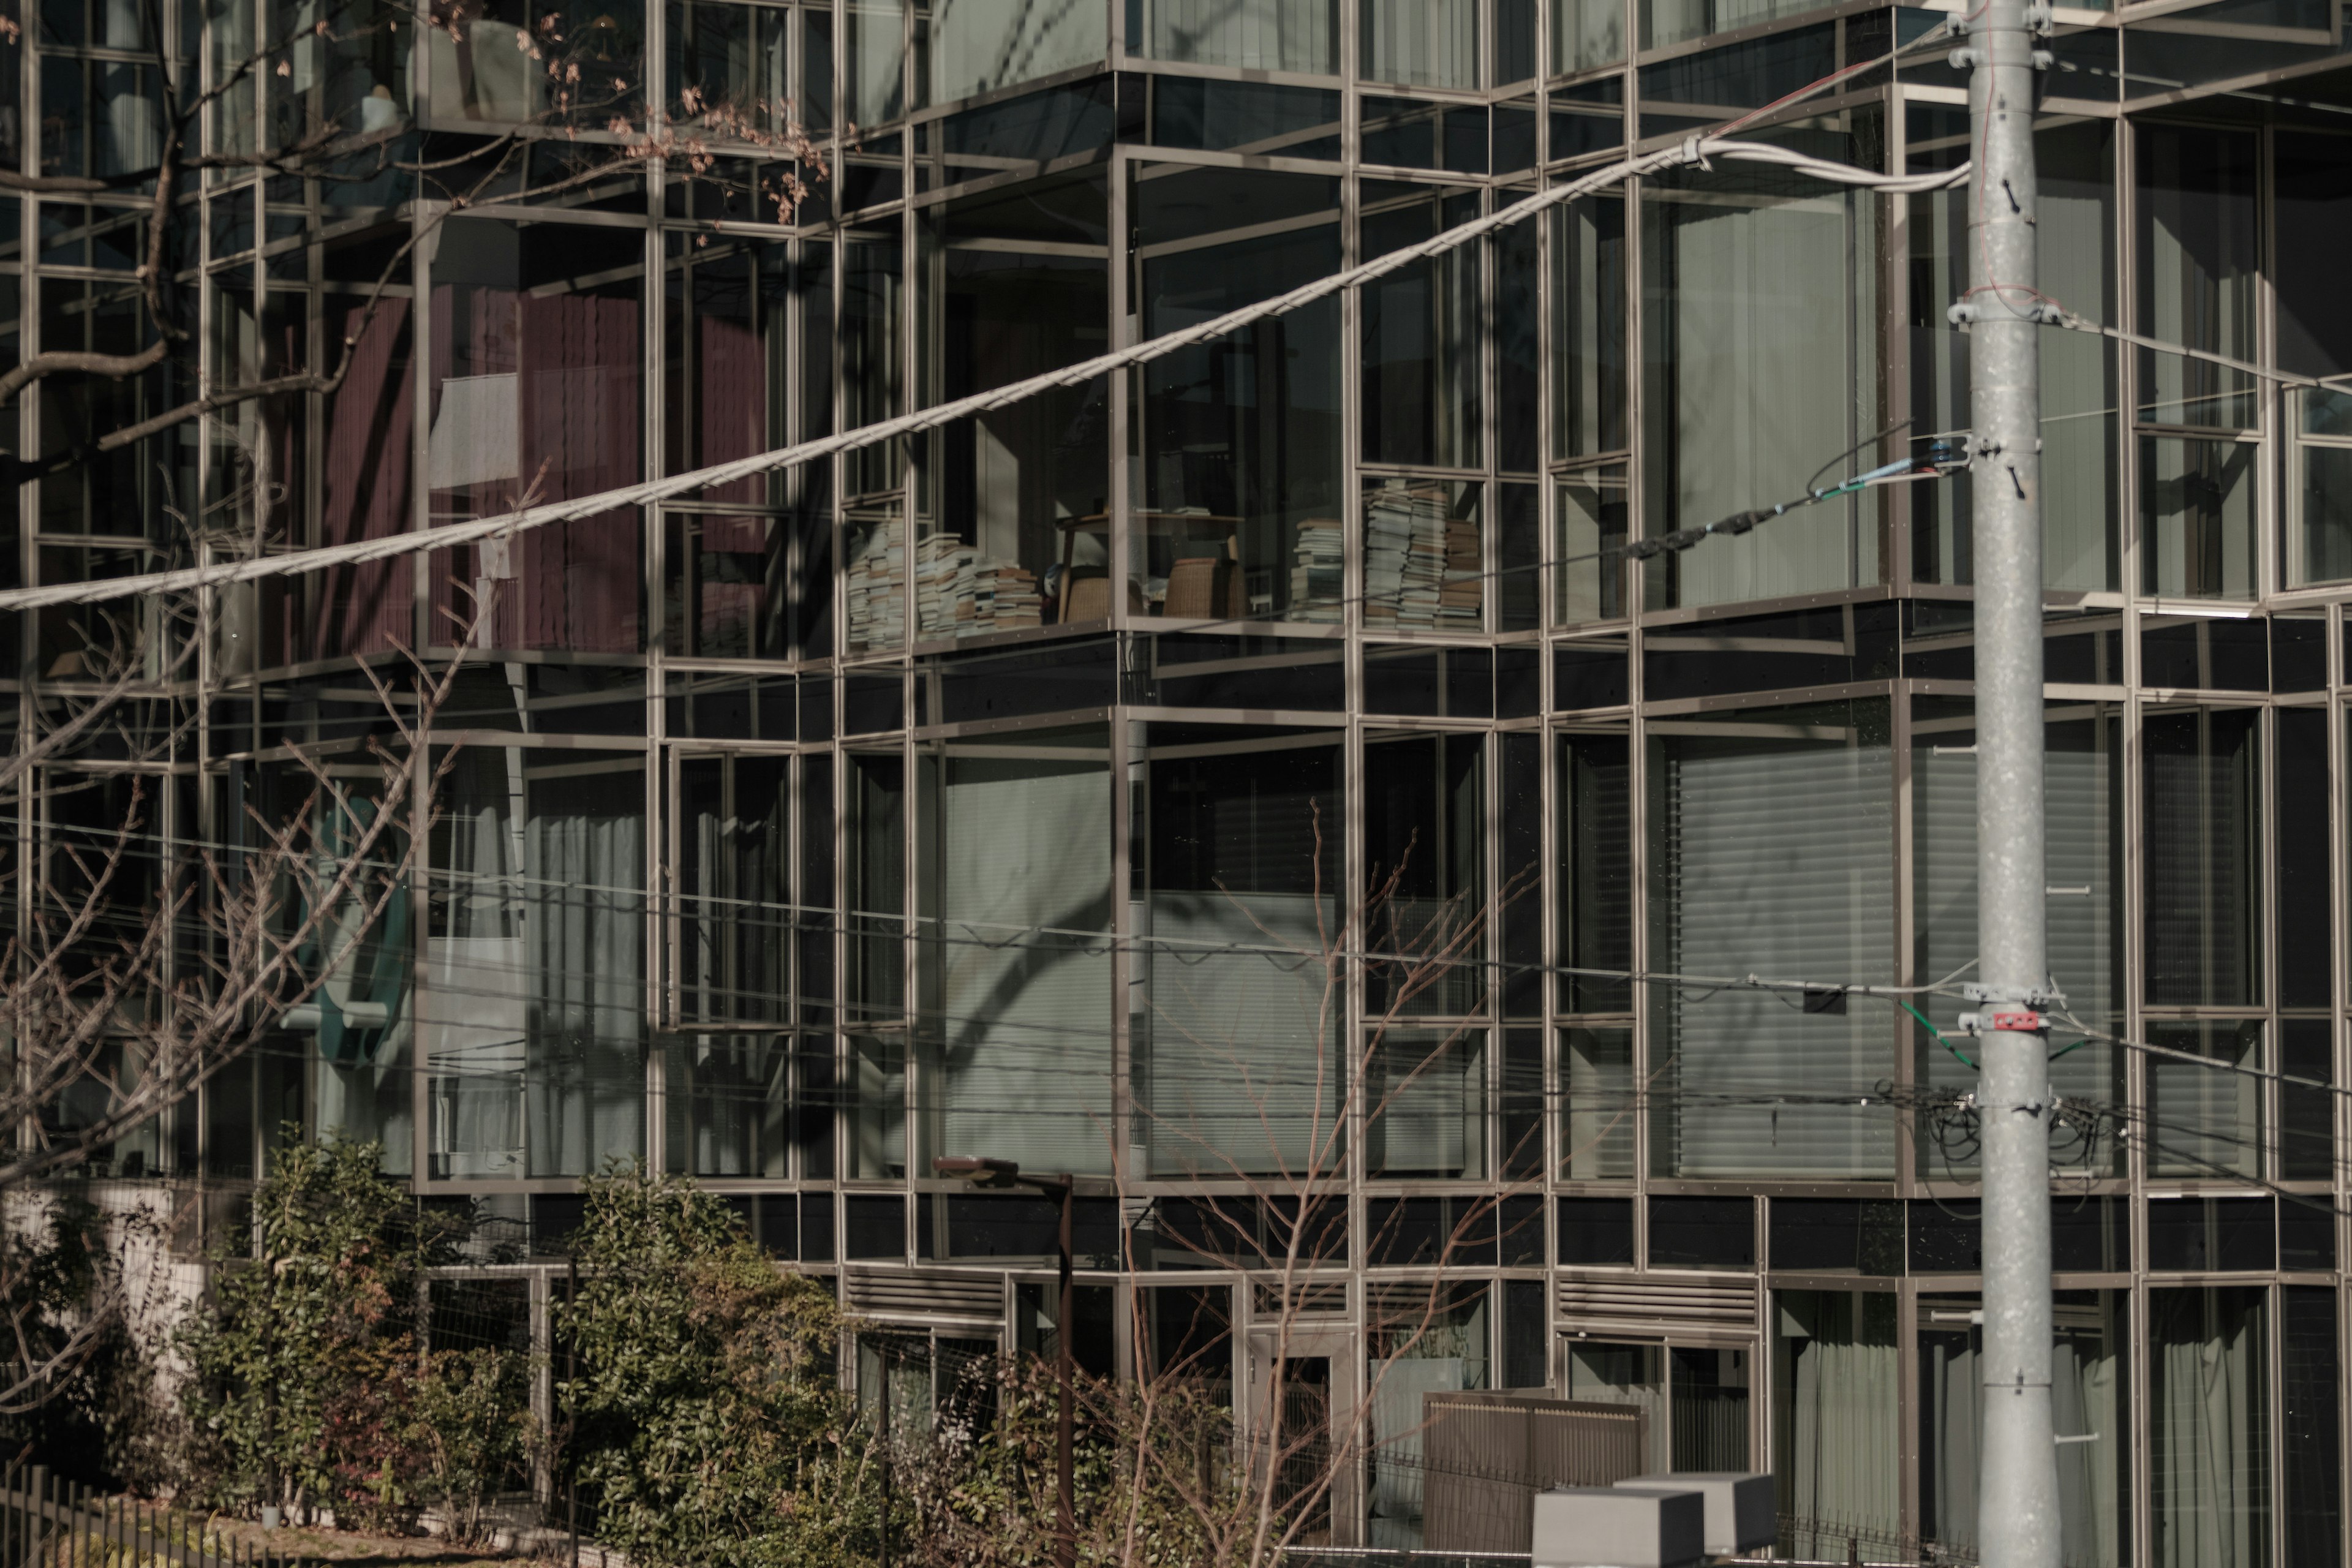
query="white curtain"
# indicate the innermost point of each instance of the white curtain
(584, 941)
(1023, 1018)
(1840, 1465)
(538, 1014)
(1426, 43)
(1255, 34)
(1759, 354)
(1777, 858)
(2208, 1381)
(978, 45)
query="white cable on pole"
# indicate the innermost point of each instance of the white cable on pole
(1695, 150)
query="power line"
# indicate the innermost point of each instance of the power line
(1695, 151)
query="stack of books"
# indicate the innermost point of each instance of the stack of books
(1420, 567)
(1318, 571)
(878, 600)
(959, 592)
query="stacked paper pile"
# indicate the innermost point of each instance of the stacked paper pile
(878, 605)
(1421, 567)
(959, 592)
(1318, 574)
(1461, 597)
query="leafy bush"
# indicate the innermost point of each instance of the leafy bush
(704, 1409)
(310, 1385)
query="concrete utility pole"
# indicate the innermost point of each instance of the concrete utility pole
(2017, 1507)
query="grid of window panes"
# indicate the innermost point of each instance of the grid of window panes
(1263, 761)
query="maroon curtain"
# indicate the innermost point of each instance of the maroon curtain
(370, 465)
(579, 414)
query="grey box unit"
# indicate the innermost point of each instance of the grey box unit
(1740, 1513)
(1613, 1527)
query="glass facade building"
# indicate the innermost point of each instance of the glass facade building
(1261, 763)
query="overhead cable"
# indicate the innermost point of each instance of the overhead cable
(1697, 151)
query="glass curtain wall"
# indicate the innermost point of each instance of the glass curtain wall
(1237, 909)
(1772, 843)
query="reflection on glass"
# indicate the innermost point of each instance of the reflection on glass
(1241, 838)
(2209, 1398)
(1018, 529)
(579, 61)
(875, 53)
(2205, 1121)
(1585, 34)
(539, 938)
(1424, 375)
(2204, 856)
(1836, 1394)
(1239, 436)
(2198, 516)
(2198, 254)
(1421, 43)
(983, 46)
(1592, 522)
(1759, 360)
(730, 1101)
(1743, 815)
(1597, 1132)
(1707, 1396)
(730, 70)
(1422, 1338)
(537, 391)
(1013, 872)
(1254, 35)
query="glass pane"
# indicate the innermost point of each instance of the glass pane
(986, 46)
(2205, 1121)
(2204, 857)
(1239, 840)
(733, 864)
(1836, 1397)
(1421, 43)
(1623, 1374)
(2319, 546)
(2209, 1390)
(1597, 1130)
(1596, 873)
(1423, 383)
(1594, 520)
(2313, 1408)
(2199, 259)
(1709, 1401)
(1013, 287)
(1239, 436)
(541, 862)
(1586, 33)
(1758, 364)
(1588, 389)
(1744, 814)
(1426, 1104)
(1422, 555)
(1015, 995)
(1254, 35)
(730, 1101)
(537, 390)
(2197, 517)
(1424, 804)
(1423, 1339)
(2082, 793)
